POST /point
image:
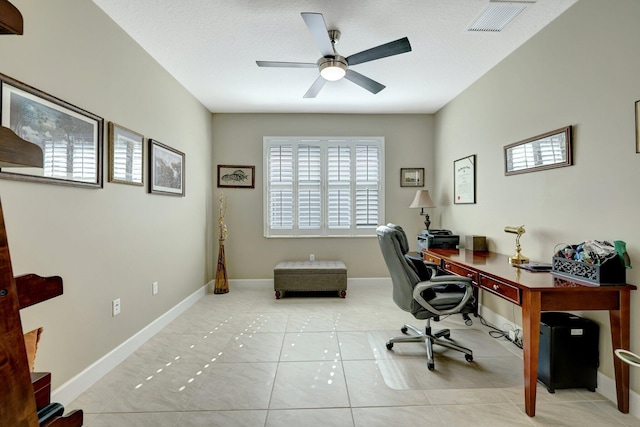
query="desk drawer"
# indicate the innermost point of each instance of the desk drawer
(504, 290)
(461, 271)
(426, 256)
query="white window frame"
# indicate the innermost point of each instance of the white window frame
(324, 143)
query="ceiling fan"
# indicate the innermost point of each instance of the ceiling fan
(333, 66)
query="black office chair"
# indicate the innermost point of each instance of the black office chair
(424, 299)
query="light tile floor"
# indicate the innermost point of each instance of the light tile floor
(247, 359)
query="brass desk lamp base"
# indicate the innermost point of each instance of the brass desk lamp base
(518, 258)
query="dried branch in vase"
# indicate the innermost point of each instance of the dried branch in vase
(223, 233)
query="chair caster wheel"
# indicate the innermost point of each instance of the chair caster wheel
(403, 330)
(389, 345)
(468, 358)
(431, 366)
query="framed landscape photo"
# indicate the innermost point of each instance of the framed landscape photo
(71, 139)
(464, 180)
(166, 170)
(412, 177)
(230, 176)
(125, 155)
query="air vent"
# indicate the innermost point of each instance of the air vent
(497, 15)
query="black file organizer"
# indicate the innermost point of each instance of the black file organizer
(568, 353)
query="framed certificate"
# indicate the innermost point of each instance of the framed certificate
(464, 180)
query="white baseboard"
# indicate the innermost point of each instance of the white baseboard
(606, 386)
(77, 385)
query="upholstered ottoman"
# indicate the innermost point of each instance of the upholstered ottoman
(310, 276)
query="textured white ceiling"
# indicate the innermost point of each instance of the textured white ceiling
(210, 46)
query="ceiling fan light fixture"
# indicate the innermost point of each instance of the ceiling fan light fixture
(333, 69)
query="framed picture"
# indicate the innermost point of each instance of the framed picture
(637, 126)
(464, 180)
(547, 151)
(230, 176)
(125, 155)
(166, 170)
(71, 139)
(412, 177)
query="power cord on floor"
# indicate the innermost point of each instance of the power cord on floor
(513, 334)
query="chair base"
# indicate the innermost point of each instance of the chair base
(430, 338)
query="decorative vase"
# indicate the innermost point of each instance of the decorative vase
(222, 282)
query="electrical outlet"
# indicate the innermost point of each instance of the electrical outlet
(115, 307)
(312, 257)
(154, 288)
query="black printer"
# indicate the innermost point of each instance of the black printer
(437, 239)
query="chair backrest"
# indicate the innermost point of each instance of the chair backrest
(393, 244)
(416, 263)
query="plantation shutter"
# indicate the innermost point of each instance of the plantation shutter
(281, 187)
(323, 187)
(339, 187)
(367, 184)
(309, 187)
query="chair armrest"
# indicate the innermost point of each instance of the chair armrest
(439, 281)
(433, 267)
(451, 279)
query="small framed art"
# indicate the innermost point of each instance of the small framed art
(412, 177)
(230, 176)
(166, 170)
(125, 155)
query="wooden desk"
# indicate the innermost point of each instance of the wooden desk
(536, 292)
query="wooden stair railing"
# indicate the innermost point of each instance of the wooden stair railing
(17, 399)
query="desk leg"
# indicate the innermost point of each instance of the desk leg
(531, 341)
(620, 320)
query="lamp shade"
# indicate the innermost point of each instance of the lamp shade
(422, 200)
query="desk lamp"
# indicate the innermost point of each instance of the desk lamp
(423, 200)
(518, 258)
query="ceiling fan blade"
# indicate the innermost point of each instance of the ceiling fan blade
(286, 64)
(364, 81)
(388, 49)
(319, 32)
(315, 87)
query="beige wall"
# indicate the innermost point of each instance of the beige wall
(112, 242)
(238, 141)
(581, 70)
